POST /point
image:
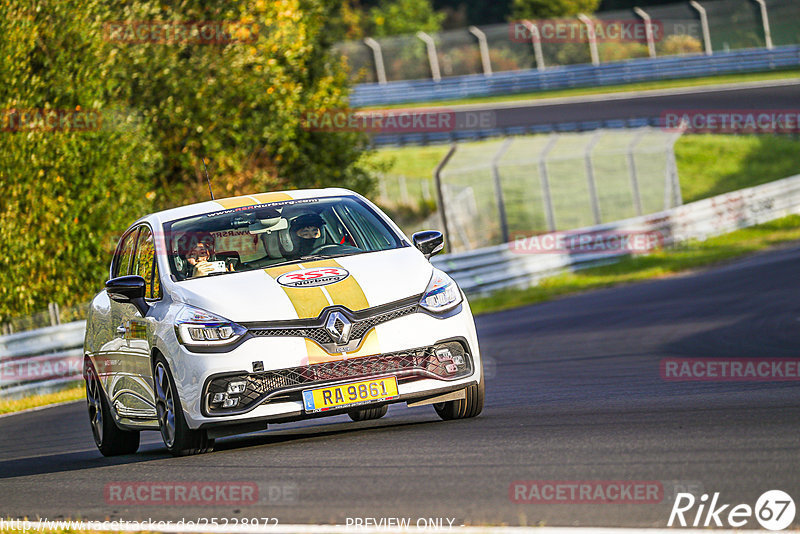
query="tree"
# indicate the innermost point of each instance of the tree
(67, 192)
(544, 9)
(397, 17)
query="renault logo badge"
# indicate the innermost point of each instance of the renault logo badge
(338, 327)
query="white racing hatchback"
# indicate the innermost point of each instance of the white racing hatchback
(224, 316)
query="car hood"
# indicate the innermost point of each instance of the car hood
(374, 278)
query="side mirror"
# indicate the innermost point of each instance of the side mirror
(429, 242)
(128, 290)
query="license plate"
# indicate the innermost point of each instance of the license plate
(351, 394)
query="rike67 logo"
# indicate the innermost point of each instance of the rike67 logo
(774, 510)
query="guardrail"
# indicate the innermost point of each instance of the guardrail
(511, 265)
(46, 359)
(41, 360)
(531, 80)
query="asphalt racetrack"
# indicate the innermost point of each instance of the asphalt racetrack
(574, 393)
(757, 96)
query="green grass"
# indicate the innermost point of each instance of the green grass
(624, 88)
(708, 165)
(660, 264)
(17, 405)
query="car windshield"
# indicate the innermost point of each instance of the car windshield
(266, 235)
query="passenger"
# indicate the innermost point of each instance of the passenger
(201, 256)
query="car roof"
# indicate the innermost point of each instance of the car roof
(255, 199)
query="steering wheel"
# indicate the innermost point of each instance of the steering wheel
(321, 248)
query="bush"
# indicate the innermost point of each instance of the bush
(680, 44)
(67, 193)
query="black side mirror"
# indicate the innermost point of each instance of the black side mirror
(429, 242)
(128, 290)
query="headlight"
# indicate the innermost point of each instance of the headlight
(442, 293)
(201, 328)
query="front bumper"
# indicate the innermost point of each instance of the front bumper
(407, 350)
(446, 361)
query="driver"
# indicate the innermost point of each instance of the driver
(306, 231)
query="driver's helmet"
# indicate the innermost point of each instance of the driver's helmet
(303, 235)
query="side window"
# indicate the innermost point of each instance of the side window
(145, 265)
(122, 266)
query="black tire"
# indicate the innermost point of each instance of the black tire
(109, 438)
(470, 406)
(179, 439)
(369, 413)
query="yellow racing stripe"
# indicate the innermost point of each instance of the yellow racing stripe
(369, 347)
(235, 202)
(348, 292)
(252, 200)
(265, 198)
(308, 302)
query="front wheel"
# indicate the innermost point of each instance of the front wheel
(109, 438)
(178, 437)
(470, 406)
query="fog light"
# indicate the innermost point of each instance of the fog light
(236, 388)
(230, 403)
(219, 397)
(444, 355)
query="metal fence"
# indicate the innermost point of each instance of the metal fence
(489, 192)
(505, 266)
(54, 315)
(41, 360)
(588, 75)
(704, 26)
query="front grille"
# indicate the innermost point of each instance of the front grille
(410, 365)
(359, 327)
